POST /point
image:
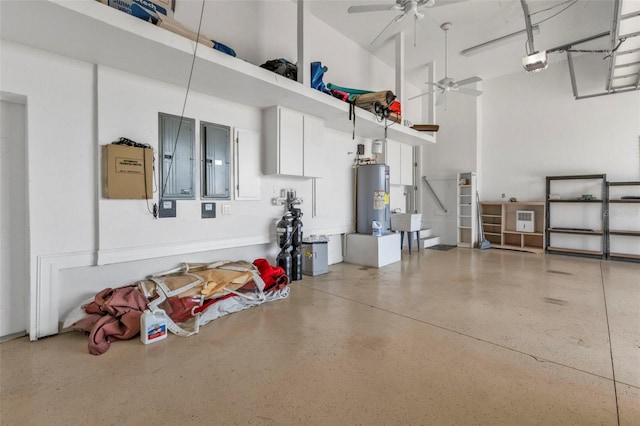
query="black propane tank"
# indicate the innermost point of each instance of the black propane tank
(284, 261)
(284, 228)
(297, 228)
(296, 264)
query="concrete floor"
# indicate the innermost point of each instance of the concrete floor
(457, 337)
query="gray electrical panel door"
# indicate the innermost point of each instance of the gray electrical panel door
(177, 157)
(216, 160)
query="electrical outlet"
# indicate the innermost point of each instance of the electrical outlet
(502, 195)
(226, 209)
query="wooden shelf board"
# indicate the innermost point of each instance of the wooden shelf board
(492, 233)
(525, 203)
(576, 201)
(625, 255)
(574, 231)
(625, 201)
(491, 215)
(105, 36)
(537, 234)
(530, 249)
(523, 248)
(576, 251)
(491, 224)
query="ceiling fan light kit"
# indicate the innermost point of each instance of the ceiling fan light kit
(405, 7)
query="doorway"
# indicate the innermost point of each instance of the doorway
(14, 235)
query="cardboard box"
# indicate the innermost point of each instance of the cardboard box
(127, 172)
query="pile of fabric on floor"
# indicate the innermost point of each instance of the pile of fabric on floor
(191, 295)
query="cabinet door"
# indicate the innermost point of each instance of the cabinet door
(247, 165)
(291, 131)
(406, 164)
(314, 154)
(393, 161)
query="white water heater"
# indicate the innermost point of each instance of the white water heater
(525, 221)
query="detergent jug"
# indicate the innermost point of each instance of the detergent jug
(376, 228)
(153, 326)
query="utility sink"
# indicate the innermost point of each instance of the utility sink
(408, 222)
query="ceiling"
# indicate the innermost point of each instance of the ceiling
(474, 22)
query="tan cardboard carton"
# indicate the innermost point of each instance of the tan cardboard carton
(128, 172)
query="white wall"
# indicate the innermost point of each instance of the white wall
(268, 31)
(543, 131)
(523, 128)
(62, 156)
(14, 231)
(455, 152)
(73, 108)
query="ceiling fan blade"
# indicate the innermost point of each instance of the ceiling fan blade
(421, 95)
(472, 92)
(370, 8)
(441, 98)
(445, 2)
(469, 80)
(393, 21)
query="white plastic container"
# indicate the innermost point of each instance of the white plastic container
(153, 326)
(376, 228)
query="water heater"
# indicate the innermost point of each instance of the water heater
(372, 197)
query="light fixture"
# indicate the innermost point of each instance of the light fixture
(535, 62)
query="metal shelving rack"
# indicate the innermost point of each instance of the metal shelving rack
(602, 232)
(632, 203)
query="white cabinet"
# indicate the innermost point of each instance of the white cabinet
(467, 210)
(399, 158)
(247, 165)
(294, 143)
(314, 155)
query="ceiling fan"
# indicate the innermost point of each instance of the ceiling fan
(406, 7)
(447, 84)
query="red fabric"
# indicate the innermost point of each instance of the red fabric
(271, 275)
(179, 308)
(343, 96)
(395, 107)
(211, 302)
(114, 315)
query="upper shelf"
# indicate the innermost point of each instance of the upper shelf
(92, 32)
